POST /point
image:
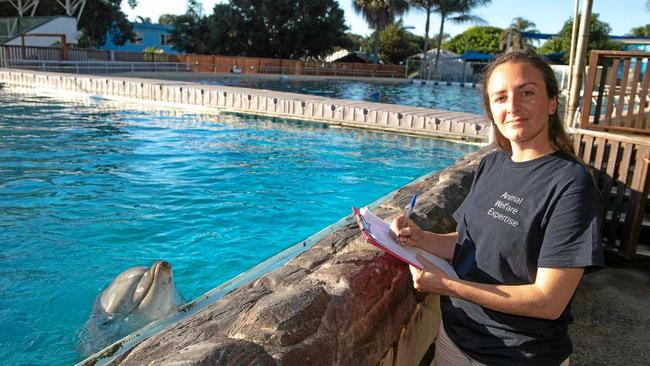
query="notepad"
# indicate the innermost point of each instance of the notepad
(378, 233)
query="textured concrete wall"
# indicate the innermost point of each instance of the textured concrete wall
(356, 114)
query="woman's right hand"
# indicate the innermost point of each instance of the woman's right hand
(409, 234)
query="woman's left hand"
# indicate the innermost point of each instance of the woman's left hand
(430, 278)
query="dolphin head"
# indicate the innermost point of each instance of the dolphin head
(142, 292)
(135, 298)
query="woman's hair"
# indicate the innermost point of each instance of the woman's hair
(556, 132)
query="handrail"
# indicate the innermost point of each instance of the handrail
(616, 96)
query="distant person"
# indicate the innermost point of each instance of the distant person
(527, 231)
(235, 69)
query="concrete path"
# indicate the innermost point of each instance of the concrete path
(345, 113)
(612, 315)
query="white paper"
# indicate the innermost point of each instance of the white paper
(380, 231)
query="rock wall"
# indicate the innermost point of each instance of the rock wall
(341, 302)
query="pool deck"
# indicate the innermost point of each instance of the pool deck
(337, 112)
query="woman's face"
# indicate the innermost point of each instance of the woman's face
(519, 103)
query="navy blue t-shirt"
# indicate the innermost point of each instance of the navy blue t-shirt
(517, 218)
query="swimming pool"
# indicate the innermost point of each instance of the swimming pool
(452, 98)
(88, 189)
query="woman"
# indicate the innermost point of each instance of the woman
(526, 232)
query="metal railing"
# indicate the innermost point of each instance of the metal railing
(95, 67)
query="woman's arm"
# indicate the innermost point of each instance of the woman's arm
(546, 298)
(442, 245)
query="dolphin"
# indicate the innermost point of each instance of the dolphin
(134, 299)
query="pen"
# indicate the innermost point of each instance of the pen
(409, 210)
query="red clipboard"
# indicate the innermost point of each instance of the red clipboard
(365, 231)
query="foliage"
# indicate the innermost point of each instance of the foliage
(379, 14)
(167, 19)
(355, 42)
(98, 18)
(598, 39)
(479, 38)
(397, 44)
(643, 31)
(154, 50)
(189, 30)
(264, 28)
(512, 35)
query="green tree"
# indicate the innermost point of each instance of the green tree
(397, 43)
(379, 14)
(355, 42)
(298, 29)
(479, 38)
(167, 19)
(598, 39)
(99, 19)
(190, 29)
(643, 31)
(456, 11)
(511, 38)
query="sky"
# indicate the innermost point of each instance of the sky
(622, 15)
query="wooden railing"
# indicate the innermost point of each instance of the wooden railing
(620, 167)
(203, 63)
(616, 92)
(257, 65)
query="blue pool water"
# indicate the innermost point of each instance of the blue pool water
(90, 188)
(452, 98)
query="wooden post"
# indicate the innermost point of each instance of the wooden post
(586, 103)
(578, 68)
(22, 45)
(64, 48)
(572, 52)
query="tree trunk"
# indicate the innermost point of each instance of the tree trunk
(424, 65)
(376, 47)
(442, 28)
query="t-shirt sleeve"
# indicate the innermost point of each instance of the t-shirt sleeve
(572, 236)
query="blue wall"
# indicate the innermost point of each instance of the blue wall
(151, 37)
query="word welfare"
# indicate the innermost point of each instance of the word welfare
(508, 203)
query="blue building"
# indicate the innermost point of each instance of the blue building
(146, 36)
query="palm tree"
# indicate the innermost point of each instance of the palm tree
(143, 20)
(379, 14)
(427, 7)
(512, 40)
(457, 11)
